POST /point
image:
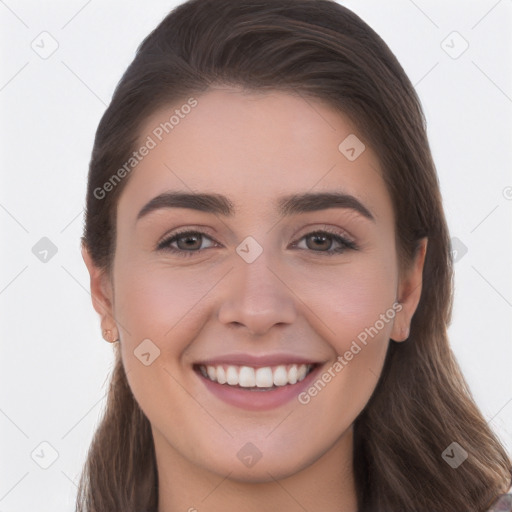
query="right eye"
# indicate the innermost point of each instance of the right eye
(192, 243)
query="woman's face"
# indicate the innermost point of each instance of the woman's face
(256, 298)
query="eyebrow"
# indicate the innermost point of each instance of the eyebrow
(286, 206)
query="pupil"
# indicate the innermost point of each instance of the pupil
(319, 237)
(190, 240)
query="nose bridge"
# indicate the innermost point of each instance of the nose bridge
(255, 295)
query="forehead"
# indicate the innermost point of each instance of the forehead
(253, 147)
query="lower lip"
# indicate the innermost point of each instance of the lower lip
(258, 400)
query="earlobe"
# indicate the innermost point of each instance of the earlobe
(409, 294)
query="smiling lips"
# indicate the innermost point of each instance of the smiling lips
(257, 382)
(266, 377)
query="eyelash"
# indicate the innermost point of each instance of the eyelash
(345, 243)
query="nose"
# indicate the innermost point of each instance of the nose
(255, 297)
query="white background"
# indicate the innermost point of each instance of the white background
(54, 364)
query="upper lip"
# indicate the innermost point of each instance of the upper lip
(256, 361)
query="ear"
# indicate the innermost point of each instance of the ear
(101, 294)
(409, 292)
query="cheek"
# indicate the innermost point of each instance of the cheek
(355, 306)
(153, 301)
(353, 301)
(160, 310)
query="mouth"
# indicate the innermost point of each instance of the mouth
(250, 378)
(255, 387)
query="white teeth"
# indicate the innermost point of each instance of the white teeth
(221, 375)
(264, 377)
(280, 376)
(246, 377)
(292, 375)
(249, 377)
(232, 376)
(302, 371)
(212, 374)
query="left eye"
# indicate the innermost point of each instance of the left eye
(320, 237)
(189, 242)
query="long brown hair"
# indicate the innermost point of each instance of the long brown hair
(422, 404)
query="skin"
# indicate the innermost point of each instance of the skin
(254, 148)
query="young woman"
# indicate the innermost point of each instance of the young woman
(267, 245)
